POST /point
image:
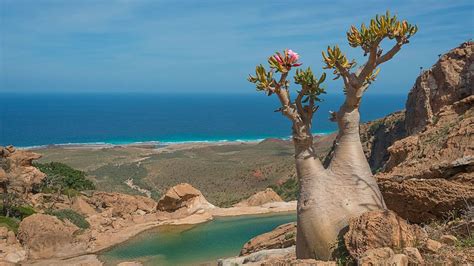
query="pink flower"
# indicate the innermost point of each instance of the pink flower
(293, 56)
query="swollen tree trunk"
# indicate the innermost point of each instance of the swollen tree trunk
(330, 197)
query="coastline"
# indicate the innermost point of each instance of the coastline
(159, 143)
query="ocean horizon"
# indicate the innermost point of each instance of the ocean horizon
(34, 120)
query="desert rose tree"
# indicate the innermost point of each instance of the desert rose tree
(330, 196)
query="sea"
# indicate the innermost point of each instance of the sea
(38, 119)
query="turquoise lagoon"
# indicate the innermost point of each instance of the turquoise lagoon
(194, 244)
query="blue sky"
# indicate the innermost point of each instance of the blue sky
(202, 46)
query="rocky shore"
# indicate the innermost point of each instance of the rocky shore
(112, 218)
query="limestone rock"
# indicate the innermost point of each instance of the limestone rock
(432, 246)
(183, 197)
(397, 259)
(3, 232)
(430, 172)
(11, 238)
(260, 198)
(17, 168)
(46, 236)
(15, 256)
(258, 257)
(130, 263)
(80, 205)
(281, 237)
(375, 256)
(414, 256)
(378, 135)
(448, 239)
(448, 81)
(122, 205)
(379, 229)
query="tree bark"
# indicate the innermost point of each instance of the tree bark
(330, 197)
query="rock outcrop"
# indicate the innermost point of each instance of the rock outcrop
(10, 249)
(382, 256)
(122, 205)
(381, 229)
(16, 168)
(448, 81)
(281, 237)
(429, 172)
(45, 236)
(378, 135)
(183, 198)
(260, 198)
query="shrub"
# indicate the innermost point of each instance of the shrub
(74, 217)
(288, 190)
(62, 177)
(10, 223)
(22, 212)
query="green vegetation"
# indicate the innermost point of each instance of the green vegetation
(341, 254)
(63, 178)
(10, 223)
(288, 190)
(289, 235)
(74, 217)
(467, 242)
(21, 212)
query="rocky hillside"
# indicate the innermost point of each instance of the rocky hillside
(424, 156)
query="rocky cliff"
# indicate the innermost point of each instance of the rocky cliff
(425, 156)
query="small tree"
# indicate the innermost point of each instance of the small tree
(330, 196)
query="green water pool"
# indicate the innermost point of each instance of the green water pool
(196, 244)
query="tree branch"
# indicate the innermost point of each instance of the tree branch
(346, 75)
(299, 105)
(387, 56)
(370, 65)
(285, 100)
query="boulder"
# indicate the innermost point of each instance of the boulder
(184, 198)
(258, 257)
(46, 236)
(80, 205)
(432, 246)
(3, 232)
(414, 256)
(260, 198)
(281, 237)
(380, 229)
(11, 238)
(15, 256)
(122, 205)
(382, 256)
(17, 167)
(448, 239)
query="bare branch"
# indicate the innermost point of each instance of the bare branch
(299, 105)
(387, 56)
(346, 75)
(370, 65)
